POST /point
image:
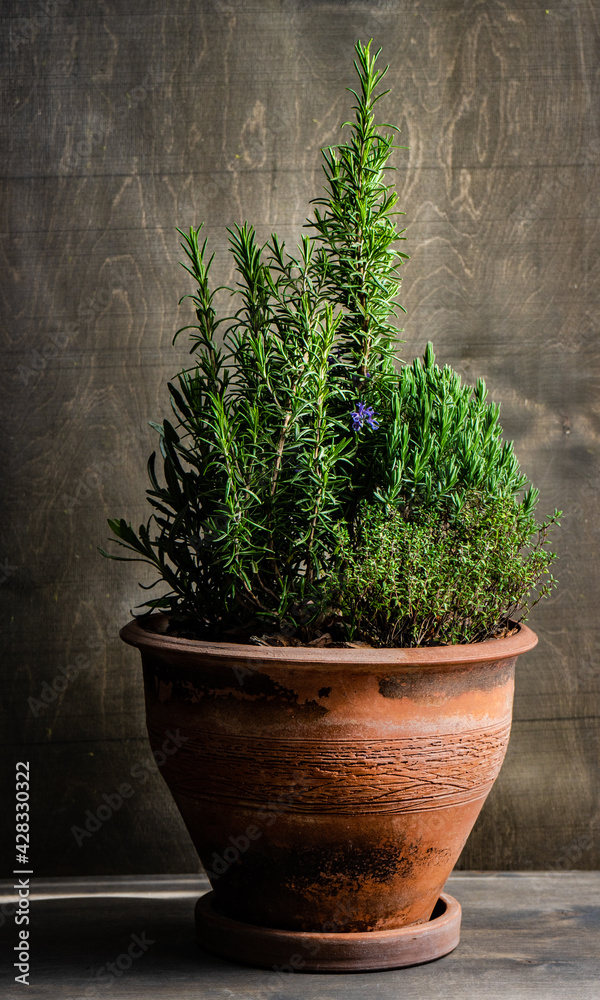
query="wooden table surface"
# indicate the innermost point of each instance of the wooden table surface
(534, 935)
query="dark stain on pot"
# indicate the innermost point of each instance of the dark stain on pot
(426, 686)
(323, 877)
(222, 684)
(332, 867)
(324, 692)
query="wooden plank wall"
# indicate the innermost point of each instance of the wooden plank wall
(121, 121)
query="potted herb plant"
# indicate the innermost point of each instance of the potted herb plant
(350, 550)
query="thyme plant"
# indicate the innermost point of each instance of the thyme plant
(308, 483)
(450, 549)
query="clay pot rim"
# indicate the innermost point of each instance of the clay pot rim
(489, 651)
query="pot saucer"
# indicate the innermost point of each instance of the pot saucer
(308, 951)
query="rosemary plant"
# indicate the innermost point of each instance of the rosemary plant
(308, 482)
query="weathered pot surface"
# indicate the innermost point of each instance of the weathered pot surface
(328, 790)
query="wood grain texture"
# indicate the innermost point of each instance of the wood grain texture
(120, 122)
(524, 936)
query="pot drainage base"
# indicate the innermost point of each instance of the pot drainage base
(308, 951)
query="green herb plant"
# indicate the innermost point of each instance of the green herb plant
(310, 480)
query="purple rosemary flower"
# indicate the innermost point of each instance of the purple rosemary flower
(363, 414)
(335, 357)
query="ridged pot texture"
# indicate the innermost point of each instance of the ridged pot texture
(327, 789)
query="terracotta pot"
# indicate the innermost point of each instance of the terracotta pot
(327, 790)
